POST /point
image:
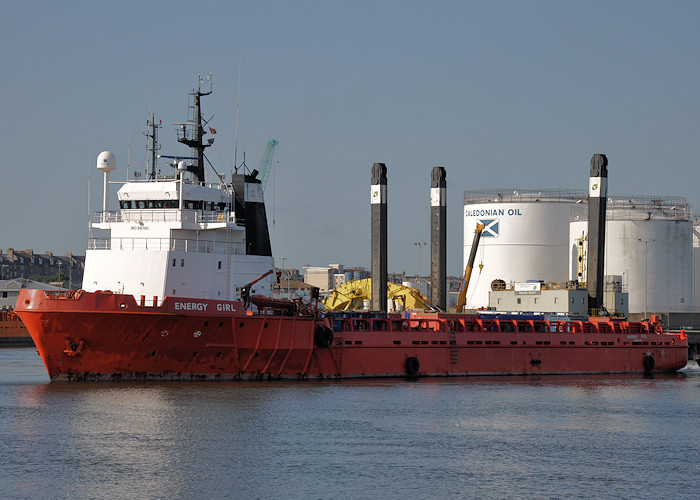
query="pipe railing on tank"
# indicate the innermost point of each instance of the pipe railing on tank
(641, 208)
(514, 195)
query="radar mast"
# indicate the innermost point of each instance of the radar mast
(152, 145)
(191, 133)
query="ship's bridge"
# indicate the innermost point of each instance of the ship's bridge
(137, 194)
(150, 216)
(159, 201)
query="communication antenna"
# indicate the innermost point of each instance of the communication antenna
(238, 98)
(128, 149)
(205, 80)
(88, 187)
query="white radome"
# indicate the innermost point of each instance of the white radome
(106, 161)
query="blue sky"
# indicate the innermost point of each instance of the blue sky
(502, 94)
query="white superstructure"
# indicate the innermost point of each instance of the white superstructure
(158, 249)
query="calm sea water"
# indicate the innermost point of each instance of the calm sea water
(508, 437)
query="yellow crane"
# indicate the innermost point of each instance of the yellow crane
(350, 297)
(462, 297)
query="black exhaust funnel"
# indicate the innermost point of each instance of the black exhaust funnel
(379, 237)
(438, 237)
(597, 198)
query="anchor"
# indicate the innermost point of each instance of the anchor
(72, 349)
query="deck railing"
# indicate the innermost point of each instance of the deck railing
(165, 215)
(168, 244)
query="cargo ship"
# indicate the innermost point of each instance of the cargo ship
(181, 289)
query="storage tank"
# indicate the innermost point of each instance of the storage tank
(649, 242)
(526, 237)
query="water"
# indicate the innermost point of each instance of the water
(508, 437)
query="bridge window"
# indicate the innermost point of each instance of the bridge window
(157, 204)
(149, 204)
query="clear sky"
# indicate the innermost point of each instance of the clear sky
(502, 94)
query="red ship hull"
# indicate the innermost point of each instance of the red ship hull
(105, 336)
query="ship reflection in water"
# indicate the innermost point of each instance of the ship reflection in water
(569, 436)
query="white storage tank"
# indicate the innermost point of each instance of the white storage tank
(649, 242)
(526, 237)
